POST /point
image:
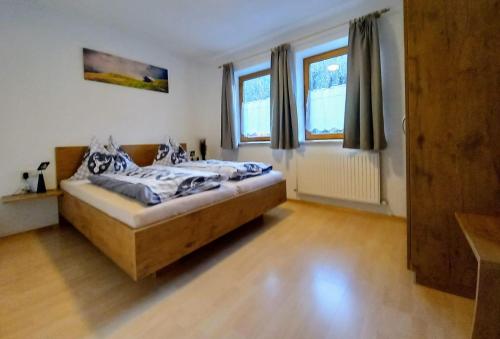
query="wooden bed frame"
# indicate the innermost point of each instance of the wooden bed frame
(143, 251)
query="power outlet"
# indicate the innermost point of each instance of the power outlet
(24, 186)
(29, 181)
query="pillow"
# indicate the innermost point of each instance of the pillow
(122, 161)
(96, 160)
(170, 153)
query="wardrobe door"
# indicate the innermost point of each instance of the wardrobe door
(453, 132)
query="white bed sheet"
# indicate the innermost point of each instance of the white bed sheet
(133, 213)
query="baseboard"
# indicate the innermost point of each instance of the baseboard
(344, 208)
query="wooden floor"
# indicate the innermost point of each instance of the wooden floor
(304, 271)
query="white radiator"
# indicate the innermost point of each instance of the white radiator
(333, 172)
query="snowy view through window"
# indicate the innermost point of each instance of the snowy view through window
(326, 100)
(255, 108)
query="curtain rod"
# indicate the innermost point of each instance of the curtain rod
(377, 14)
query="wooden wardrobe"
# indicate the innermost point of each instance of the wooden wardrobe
(453, 133)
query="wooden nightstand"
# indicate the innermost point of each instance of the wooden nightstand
(9, 199)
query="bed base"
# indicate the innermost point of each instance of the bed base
(143, 251)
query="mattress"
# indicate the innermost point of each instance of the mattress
(133, 213)
(255, 183)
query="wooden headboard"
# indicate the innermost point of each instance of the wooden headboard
(69, 158)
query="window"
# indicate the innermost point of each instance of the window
(325, 77)
(255, 106)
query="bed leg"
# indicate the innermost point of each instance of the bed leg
(258, 220)
(63, 221)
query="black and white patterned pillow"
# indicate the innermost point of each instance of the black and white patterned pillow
(97, 160)
(170, 153)
(122, 161)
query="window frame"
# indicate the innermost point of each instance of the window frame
(241, 81)
(307, 64)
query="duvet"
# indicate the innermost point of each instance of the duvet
(229, 170)
(156, 184)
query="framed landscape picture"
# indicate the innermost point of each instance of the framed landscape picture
(104, 67)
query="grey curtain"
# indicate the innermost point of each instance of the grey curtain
(364, 118)
(283, 106)
(227, 133)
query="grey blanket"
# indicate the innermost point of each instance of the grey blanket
(229, 170)
(156, 184)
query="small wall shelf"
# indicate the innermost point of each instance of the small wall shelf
(8, 199)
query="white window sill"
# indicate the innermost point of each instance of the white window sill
(324, 141)
(305, 142)
(250, 143)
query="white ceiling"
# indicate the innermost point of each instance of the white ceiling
(207, 28)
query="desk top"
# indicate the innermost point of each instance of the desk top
(483, 234)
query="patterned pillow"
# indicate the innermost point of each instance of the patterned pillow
(97, 160)
(122, 161)
(170, 153)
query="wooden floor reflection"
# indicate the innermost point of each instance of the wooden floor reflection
(302, 271)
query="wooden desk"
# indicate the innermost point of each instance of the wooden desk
(483, 234)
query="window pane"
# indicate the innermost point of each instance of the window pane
(326, 99)
(255, 110)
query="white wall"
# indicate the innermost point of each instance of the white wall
(45, 102)
(393, 158)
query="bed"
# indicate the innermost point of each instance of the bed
(142, 240)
